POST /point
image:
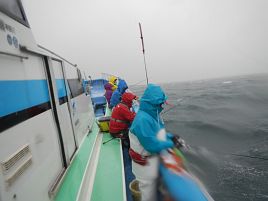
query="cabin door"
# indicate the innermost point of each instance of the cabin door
(65, 120)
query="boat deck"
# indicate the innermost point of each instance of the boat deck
(73, 177)
(97, 171)
(109, 181)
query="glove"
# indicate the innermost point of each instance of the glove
(178, 142)
(170, 136)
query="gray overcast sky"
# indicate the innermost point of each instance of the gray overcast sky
(184, 39)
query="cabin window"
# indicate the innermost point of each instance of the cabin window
(75, 85)
(13, 8)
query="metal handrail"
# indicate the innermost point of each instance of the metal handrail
(14, 55)
(75, 65)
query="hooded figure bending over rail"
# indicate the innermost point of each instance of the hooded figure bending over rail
(147, 139)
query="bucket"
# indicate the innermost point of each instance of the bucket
(135, 191)
(103, 123)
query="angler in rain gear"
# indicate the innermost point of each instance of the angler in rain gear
(113, 81)
(108, 92)
(116, 97)
(147, 139)
(122, 117)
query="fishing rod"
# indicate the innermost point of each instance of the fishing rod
(143, 51)
(109, 140)
(172, 107)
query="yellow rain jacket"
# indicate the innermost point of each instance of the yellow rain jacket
(112, 81)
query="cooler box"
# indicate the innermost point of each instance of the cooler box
(103, 123)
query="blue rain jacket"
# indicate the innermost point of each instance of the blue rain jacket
(147, 122)
(116, 97)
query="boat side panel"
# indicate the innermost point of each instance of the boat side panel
(27, 87)
(40, 133)
(38, 130)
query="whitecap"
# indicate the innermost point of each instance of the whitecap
(227, 82)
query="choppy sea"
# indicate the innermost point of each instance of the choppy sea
(225, 123)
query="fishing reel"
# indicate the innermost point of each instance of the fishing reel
(178, 142)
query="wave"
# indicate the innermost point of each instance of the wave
(193, 107)
(204, 127)
(227, 82)
(224, 115)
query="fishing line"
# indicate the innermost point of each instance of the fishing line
(232, 154)
(172, 107)
(247, 156)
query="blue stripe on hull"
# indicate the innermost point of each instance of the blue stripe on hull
(17, 95)
(61, 88)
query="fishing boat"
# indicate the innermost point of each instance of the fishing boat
(50, 144)
(53, 140)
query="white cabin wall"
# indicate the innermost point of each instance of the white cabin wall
(22, 33)
(40, 133)
(13, 68)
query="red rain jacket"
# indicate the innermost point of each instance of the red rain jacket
(122, 117)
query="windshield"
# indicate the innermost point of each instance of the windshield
(13, 9)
